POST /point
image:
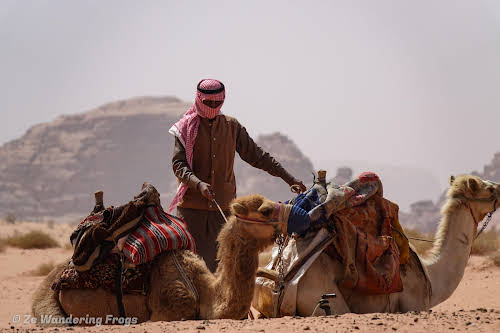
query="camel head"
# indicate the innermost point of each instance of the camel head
(257, 216)
(480, 195)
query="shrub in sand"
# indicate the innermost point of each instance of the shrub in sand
(486, 242)
(3, 244)
(10, 218)
(43, 269)
(495, 258)
(32, 240)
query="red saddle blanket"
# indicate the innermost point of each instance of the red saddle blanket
(157, 232)
(365, 246)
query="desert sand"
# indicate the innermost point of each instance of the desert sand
(475, 305)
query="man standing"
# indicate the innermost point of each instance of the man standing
(203, 159)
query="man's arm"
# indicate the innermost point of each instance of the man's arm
(183, 172)
(253, 154)
(181, 167)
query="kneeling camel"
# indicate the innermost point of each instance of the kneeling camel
(225, 294)
(427, 281)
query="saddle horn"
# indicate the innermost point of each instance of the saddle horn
(99, 201)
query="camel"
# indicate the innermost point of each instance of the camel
(225, 294)
(427, 281)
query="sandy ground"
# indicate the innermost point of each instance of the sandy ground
(475, 306)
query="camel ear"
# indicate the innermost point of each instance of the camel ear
(239, 209)
(452, 179)
(473, 184)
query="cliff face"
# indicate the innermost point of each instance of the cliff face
(54, 168)
(492, 171)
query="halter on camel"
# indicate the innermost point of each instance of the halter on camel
(465, 202)
(493, 198)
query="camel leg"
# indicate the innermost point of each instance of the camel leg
(319, 280)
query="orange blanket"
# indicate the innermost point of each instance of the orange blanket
(367, 248)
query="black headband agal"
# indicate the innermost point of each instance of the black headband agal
(210, 92)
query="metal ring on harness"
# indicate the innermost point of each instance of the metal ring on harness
(295, 189)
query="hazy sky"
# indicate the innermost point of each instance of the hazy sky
(414, 83)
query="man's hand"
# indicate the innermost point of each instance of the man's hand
(206, 190)
(297, 184)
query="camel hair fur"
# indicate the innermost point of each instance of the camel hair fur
(225, 294)
(427, 281)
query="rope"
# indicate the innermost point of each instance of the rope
(220, 210)
(412, 238)
(189, 283)
(485, 224)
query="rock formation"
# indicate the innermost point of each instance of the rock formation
(424, 215)
(251, 180)
(55, 167)
(344, 175)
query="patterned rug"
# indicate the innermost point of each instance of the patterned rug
(103, 275)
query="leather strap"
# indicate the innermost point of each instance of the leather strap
(118, 289)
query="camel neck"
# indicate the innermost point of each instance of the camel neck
(450, 253)
(235, 280)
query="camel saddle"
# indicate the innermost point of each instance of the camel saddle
(365, 245)
(369, 239)
(99, 233)
(122, 240)
(362, 232)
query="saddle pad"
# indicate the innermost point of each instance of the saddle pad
(157, 232)
(103, 275)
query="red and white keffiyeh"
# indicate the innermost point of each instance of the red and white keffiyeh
(186, 129)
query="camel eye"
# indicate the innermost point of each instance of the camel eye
(267, 211)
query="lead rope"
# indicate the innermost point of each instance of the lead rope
(488, 218)
(412, 238)
(485, 224)
(220, 209)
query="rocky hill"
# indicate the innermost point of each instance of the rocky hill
(425, 215)
(251, 180)
(492, 171)
(54, 168)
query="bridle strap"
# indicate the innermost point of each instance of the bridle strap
(493, 198)
(245, 220)
(476, 223)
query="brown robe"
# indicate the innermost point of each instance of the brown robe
(216, 143)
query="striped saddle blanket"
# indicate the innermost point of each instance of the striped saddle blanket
(153, 233)
(157, 232)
